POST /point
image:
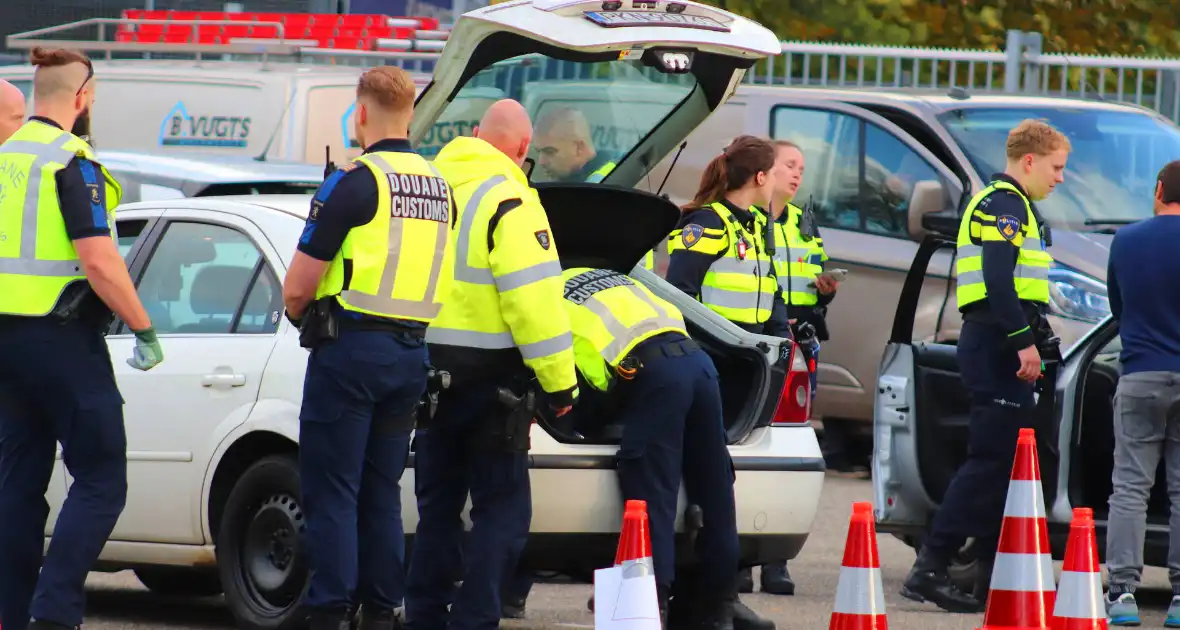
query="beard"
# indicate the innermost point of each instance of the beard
(82, 127)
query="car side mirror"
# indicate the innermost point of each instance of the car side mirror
(928, 212)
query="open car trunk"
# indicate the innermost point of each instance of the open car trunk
(615, 89)
(583, 217)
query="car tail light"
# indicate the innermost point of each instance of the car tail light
(794, 402)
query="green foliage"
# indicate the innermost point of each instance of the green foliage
(1106, 27)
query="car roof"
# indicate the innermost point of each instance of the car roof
(296, 206)
(208, 168)
(940, 99)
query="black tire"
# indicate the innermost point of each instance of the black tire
(180, 581)
(260, 554)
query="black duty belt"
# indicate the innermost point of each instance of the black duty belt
(382, 325)
(650, 352)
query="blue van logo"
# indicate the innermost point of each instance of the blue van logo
(346, 138)
(180, 129)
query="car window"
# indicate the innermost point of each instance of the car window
(197, 277)
(264, 305)
(848, 189)
(129, 231)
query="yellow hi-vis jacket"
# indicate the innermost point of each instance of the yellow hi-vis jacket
(797, 261)
(507, 293)
(740, 285)
(401, 259)
(37, 259)
(1031, 276)
(610, 314)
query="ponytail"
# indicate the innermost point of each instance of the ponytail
(713, 184)
(738, 163)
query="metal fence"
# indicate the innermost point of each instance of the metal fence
(1021, 69)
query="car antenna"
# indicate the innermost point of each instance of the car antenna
(670, 167)
(329, 165)
(261, 157)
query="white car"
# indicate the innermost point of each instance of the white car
(212, 432)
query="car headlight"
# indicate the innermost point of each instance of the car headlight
(1073, 295)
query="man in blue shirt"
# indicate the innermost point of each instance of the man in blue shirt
(1144, 262)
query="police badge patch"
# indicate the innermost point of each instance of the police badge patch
(1009, 226)
(542, 238)
(691, 234)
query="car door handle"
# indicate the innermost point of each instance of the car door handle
(223, 380)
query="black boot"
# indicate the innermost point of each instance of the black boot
(744, 618)
(512, 607)
(324, 620)
(378, 620)
(713, 613)
(928, 582)
(745, 581)
(776, 579)
(41, 624)
(983, 582)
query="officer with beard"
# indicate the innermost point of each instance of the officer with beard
(61, 277)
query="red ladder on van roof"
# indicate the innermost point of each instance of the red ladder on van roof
(371, 32)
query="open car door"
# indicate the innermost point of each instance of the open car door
(921, 413)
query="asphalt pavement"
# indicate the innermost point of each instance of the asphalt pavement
(118, 601)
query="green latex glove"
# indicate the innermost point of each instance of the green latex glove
(147, 353)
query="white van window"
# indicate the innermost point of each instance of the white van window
(587, 115)
(878, 202)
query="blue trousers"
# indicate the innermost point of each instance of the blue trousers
(1001, 405)
(56, 385)
(672, 429)
(447, 466)
(354, 437)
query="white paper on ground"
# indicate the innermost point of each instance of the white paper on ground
(625, 603)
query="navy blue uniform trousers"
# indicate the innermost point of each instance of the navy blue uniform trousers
(673, 429)
(359, 398)
(448, 465)
(56, 385)
(1001, 405)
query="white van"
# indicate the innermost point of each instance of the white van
(286, 111)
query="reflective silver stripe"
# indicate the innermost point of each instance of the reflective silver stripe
(1025, 272)
(736, 299)
(796, 284)
(382, 302)
(28, 264)
(969, 277)
(464, 271)
(969, 251)
(622, 336)
(498, 341)
(727, 264)
(528, 275)
(1032, 272)
(473, 275)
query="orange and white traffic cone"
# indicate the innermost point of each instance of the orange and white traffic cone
(625, 594)
(1079, 594)
(1022, 588)
(860, 599)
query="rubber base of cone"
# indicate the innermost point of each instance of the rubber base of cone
(844, 621)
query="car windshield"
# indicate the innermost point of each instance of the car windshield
(1111, 172)
(586, 115)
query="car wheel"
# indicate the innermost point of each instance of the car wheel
(259, 546)
(182, 582)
